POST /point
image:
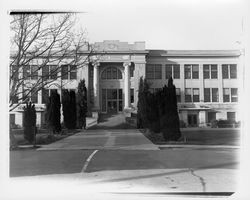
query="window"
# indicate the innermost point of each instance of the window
(34, 97)
(153, 71)
(211, 116)
(131, 95)
(168, 71)
(229, 71)
(191, 68)
(206, 72)
(30, 72)
(215, 95)
(192, 95)
(12, 119)
(195, 71)
(230, 94)
(207, 96)
(30, 96)
(234, 95)
(188, 93)
(111, 73)
(226, 95)
(178, 94)
(14, 98)
(132, 69)
(172, 71)
(210, 71)
(49, 72)
(187, 71)
(214, 72)
(196, 95)
(231, 116)
(69, 72)
(45, 95)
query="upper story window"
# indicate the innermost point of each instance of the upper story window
(178, 94)
(153, 71)
(210, 71)
(172, 70)
(68, 72)
(30, 96)
(191, 71)
(230, 94)
(132, 69)
(30, 72)
(192, 95)
(49, 72)
(208, 92)
(229, 71)
(111, 73)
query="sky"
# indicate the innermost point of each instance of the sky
(162, 24)
(166, 24)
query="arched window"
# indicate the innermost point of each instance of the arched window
(111, 73)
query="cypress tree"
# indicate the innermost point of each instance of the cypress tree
(170, 119)
(140, 104)
(29, 122)
(66, 108)
(72, 110)
(82, 104)
(53, 112)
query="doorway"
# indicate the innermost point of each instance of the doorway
(112, 101)
(192, 120)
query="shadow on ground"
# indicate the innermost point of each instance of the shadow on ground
(112, 121)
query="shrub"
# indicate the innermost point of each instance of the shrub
(29, 122)
(82, 104)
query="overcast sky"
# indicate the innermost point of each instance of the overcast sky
(162, 24)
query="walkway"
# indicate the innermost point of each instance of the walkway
(112, 121)
(130, 139)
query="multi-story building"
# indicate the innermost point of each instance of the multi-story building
(207, 81)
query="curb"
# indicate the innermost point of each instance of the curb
(200, 146)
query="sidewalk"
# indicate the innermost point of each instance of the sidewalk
(151, 180)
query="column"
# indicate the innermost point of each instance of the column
(126, 85)
(201, 79)
(183, 84)
(220, 83)
(96, 86)
(202, 118)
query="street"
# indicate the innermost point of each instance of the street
(124, 161)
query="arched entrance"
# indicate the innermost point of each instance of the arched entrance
(111, 89)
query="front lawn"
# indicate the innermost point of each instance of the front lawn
(42, 137)
(199, 136)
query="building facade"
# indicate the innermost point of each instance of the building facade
(207, 82)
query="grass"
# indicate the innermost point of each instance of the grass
(199, 137)
(42, 137)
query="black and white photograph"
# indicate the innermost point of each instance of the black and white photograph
(124, 99)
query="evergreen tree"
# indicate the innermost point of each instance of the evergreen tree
(140, 104)
(53, 112)
(29, 122)
(169, 116)
(66, 108)
(72, 115)
(82, 104)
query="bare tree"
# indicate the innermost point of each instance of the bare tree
(40, 44)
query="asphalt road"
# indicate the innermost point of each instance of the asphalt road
(32, 162)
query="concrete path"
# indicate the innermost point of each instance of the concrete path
(129, 139)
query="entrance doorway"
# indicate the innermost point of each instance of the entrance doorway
(112, 101)
(192, 120)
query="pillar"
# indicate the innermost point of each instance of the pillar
(96, 86)
(126, 85)
(202, 118)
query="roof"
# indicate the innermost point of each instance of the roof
(194, 53)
